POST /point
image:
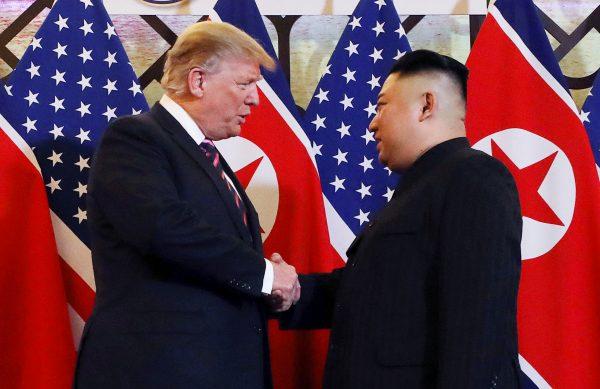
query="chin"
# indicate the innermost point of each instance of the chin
(230, 132)
(382, 160)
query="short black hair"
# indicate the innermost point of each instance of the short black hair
(423, 61)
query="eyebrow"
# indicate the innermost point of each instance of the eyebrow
(243, 81)
(252, 78)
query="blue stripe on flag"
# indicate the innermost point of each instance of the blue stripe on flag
(524, 19)
(590, 115)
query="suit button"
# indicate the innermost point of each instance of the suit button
(259, 330)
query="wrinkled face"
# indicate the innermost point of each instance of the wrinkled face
(228, 95)
(395, 124)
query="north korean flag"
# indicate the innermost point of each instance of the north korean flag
(35, 333)
(275, 161)
(520, 111)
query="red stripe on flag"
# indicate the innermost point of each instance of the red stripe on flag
(79, 293)
(36, 345)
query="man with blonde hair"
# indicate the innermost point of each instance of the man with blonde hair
(178, 261)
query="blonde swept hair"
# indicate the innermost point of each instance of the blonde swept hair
(205, 45)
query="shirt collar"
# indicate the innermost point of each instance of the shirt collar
(184, 118)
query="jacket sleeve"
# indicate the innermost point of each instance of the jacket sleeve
(314, 310)
(132, 185)
(480, 262)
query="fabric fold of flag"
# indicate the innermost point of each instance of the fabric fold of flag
(35, 335)
(72, 80)
(338, 115)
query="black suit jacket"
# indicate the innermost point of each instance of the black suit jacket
(428, 296)
(178, 275)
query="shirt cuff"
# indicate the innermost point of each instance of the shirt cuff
(268, 278)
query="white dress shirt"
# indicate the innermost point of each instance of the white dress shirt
(190, 126)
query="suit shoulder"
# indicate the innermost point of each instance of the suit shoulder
(142, 125)
(477, 169)
(478, 164)
(131, 132)
(483, 182)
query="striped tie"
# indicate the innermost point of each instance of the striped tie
(213, 155)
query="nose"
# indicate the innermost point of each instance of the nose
(252, 97)
(373, 124)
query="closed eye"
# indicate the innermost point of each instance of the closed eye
(246, 84)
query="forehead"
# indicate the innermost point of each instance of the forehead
(389, 83)
(394, 85)
(240, 67)
(403, 86)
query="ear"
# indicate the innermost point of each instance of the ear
(195, 81)
(428, 105)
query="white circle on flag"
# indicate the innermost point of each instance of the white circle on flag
(558, 188)
(262, 189)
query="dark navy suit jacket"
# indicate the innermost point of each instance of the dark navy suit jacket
(178, 274)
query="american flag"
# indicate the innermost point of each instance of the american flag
(343, 105)
(590, 115)
(73, 79)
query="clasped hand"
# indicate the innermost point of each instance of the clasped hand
(286, 287)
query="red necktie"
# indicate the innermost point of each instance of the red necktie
(213, 155)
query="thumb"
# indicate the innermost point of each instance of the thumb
(276, 258)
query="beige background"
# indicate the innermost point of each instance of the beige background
(313, 38)
(293, 7)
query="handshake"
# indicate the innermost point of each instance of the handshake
(286, 287)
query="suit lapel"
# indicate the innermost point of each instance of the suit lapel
(183, 139)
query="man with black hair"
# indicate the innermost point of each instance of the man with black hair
(428, 296)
